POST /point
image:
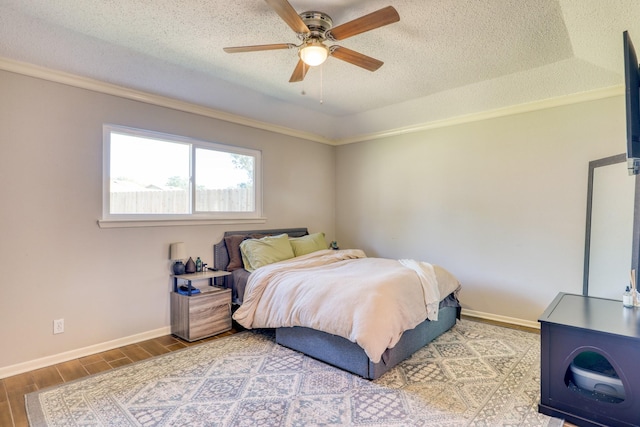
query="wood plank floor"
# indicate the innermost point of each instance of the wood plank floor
(13, 389)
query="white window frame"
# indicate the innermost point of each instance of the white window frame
(110, 220)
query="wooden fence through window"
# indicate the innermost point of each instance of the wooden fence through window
(177, 201)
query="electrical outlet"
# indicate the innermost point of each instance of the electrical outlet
(58, 326)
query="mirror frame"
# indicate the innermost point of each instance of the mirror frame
(635, 249)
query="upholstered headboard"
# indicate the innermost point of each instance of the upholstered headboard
(221, 255)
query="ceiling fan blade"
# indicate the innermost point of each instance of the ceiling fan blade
(379, 18)
(289, 15)
(255, 48)
(299, 72)
(355, 58)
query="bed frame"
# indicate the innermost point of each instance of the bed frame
(336, 350)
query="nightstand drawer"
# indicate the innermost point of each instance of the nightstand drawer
(209, 316)
(202, 315)
(209, 299)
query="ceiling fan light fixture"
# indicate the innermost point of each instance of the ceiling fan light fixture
(313, 28)
(313, 53)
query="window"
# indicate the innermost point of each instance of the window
(150, 176)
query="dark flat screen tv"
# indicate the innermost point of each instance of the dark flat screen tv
(632, 95)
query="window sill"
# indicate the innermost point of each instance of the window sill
(134, 223)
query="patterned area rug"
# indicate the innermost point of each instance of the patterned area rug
(473, 375)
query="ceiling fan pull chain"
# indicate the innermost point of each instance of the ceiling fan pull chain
(303, 93)
(321, 85)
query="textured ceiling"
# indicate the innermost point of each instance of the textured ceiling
(445, 58)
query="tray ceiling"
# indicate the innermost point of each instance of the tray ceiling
(444, 59)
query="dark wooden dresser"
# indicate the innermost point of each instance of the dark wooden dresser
(572, 325)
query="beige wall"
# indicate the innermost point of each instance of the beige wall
(501, 202)
(108, 284)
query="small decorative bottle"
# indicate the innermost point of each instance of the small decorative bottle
(627, 298)
(198, 265)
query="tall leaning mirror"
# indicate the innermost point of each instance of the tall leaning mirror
(612, 232)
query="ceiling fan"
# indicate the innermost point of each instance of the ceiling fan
(314, 28)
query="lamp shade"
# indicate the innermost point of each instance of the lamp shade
(178, 251)
(313, 53)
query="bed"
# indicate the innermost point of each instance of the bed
(337, 348)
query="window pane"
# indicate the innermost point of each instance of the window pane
(151, 176)
(148, 176)
(225, 182)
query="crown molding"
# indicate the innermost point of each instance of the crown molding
(94, 85)
(544, 104)
(162, 101)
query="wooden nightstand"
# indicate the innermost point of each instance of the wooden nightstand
(200, 315)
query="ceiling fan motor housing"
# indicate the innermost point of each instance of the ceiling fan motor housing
(318, 23)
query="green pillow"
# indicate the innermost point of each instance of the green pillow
(307, 244)
(257, 253)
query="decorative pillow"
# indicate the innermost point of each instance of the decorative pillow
(257, 253)
(307, 244)
(233, 249)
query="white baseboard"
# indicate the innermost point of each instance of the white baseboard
(498, 318)
(31, 365)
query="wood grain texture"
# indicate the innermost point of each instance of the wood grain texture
(199, 316)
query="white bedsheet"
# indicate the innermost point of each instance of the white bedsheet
(370, 301)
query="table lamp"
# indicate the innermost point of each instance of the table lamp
(178, 253)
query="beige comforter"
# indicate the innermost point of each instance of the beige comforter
(370, 301)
